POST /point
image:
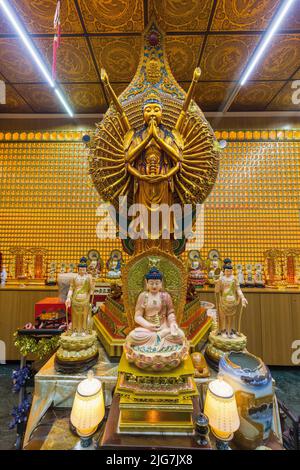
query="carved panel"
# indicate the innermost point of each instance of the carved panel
(225, 56)
(255, 96)
(237, 15)
(14, 102)
(41, 98)
(119, 56)
(15, 63)
(292, 19)
(112, 15)
(5, 27)
(38, 15)
(183, 53)
(87, 98)
(74, 62)
(281, 60)
(210, 96)
(297, 75)
(283, 101)
(178, 15)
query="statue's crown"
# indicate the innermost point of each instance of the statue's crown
(83, 262)
(154, 274)
(152, 97)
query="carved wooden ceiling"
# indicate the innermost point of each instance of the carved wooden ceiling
(218, 35)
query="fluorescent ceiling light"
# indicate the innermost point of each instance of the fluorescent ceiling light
(63, 101)
(266, 39)
(32, 50)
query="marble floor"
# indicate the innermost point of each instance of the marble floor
(287, 389)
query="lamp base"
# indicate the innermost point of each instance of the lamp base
(222, 443)
(85, 443)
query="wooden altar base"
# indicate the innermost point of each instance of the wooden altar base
(112, 439)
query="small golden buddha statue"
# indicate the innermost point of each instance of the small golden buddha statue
(78, 350)
(81, 289)
(229, 298)
(200, 364)
(157, 342)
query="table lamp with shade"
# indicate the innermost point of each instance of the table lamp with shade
(88, 409)
(221, 409)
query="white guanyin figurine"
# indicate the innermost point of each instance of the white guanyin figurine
(240, 275)
(3, 276)
(157, 343)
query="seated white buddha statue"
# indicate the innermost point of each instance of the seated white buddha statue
(157, 339)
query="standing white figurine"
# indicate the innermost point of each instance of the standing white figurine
(3, 276)
(240, 274)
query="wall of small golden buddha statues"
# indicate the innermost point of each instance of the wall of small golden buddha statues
(48, 201)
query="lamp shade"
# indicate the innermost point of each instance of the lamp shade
(88, 407)
(220, 408)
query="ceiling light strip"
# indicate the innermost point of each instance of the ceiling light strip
(33, 51)
(266, 39)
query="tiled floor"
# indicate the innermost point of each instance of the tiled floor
(288, 386)
(8, 400)
(287, 389)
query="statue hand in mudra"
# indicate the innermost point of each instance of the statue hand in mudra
(174, 329)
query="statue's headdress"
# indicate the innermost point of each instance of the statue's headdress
(227, 266)
(82, 263)
(154, 274)
(227, 261)
(152, 97)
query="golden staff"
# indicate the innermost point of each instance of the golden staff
(240, 317)
(67, 319)
(217, 294)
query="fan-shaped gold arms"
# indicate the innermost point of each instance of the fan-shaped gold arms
(116, 102)
(188, 98)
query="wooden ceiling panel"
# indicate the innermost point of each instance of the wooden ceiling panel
(40, 97)
(5, 27)
(225, 57)
(183, 54)
(14, 102)
(228, 30)
(111, 16)
(292, 19)
(87, 98)
(74, 62)
(38, 15)
(119, 56)
(284, 100)
(237, 15)
(119, 87)
(181, 15)
(210, 96)
(15, 63)
(297, 75)
(281, 60)
(255, 96)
